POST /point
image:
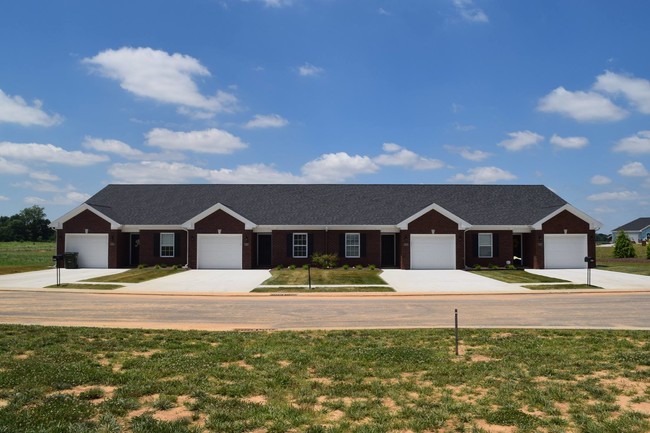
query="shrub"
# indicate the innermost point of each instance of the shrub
(279, 267)
(324, 261)
(623, 247)
(493, 266)
(292, 267)
(142, 266)
(358, 267)
(305, 266)
(647, 251)
(346, 267)
(157, 267)
(477, 267)
(511, 267)
(372, 267)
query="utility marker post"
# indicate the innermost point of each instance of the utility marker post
(456, 328)
(309, 275)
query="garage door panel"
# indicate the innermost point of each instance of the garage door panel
(565, 251)
(433, 252)
(92, 249)
(219, 251)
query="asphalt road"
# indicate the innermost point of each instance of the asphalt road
(571, 310)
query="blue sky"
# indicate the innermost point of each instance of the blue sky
(553, 92)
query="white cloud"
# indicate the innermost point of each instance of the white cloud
(481, 175)
(617, 195)
(569, 142)
(44, 176)
(520, 140)
(68, 199)
(636, 90)
(48, 153)
(276, 3)
(635, 144)
(9, 167)
(309, 70)
(633, 169)
(466, 153)
(463, 128)
(112, 146)
(469, 12)
(4, 198)
(207, 141)
(17, 110)
(337, 167)
(384, 12)
(266, 121)
(581, 106)
(398, 156)
(600, 180)
(252, 173)
(163, 77)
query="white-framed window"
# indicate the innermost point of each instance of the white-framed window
(167, 244)
(300, 245)
(485, 245)
(352, 245)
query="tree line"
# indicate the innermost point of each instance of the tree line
(28, 225)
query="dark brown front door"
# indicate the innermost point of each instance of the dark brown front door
(387, 251)
(264, 247)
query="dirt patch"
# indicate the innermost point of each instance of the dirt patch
(146, 354)
(25, 355)
(492, 428)
(256, 399)
(149, 399)
(4, 403)
(321, 380)
(390, 404)
(174, 414)
(335, 415)
(78, 390)
(626, 385)
(284, 363)
(241, 364)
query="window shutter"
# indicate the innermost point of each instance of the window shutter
(342, 245)
(156, 244)
(290, 245)
(177, 245)
(495, 245)
(310, 244)
(362, 240)
(475, 242)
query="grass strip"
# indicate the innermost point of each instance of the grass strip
(138, 275)
(338, 276)
(323, 289)
(517, 276)
(559, 286)
(85, 286)
(57, 379)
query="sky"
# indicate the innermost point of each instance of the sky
(552, 92)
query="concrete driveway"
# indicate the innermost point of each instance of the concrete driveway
(605, 279)
(445, 281)
(202, 281)
(40, 279)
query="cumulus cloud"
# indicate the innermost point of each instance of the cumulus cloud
(112, 146)
(634, 144)
(337, 167)
(615, 195)
(276, 3)
(600, 180)
(399, 156)
(569, 142)
(469, 12)
(68, 199)
(633, 169)
(581, 106)
(467, 153)
(17, 110)
(4, 198)
(163, 77)
(266, 121)
(207, 141)
(309, 70)
(635, 90)
(520, 140)
(481, 175)
(48, 153)
(10, 167)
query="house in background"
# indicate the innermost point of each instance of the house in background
(638, 230)
(262, 226)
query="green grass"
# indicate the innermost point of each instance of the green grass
(640, 265)
(85, 286)
(517, 276)
(559, 286)
(322, 289)
(60, 380)
(18, 257)
(138, 275)
(325, 276)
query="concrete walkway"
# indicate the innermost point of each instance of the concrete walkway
(40, 279)
(445, 281)
(604, 279)
(202, 281)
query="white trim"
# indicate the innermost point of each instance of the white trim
(593, 224)
(293, 245)
(329, 228)
(478, 241)
(189, 224)
(462, 224)
(358, 245)
(173, 245)
(57, 224)
(514, 229)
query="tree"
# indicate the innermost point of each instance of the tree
(623, 247)
(30, 224)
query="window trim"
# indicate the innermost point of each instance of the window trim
(485, 245)
(357, 245)
(294, 245)
(172, 246)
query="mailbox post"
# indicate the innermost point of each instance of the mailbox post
(589, 261)
(58, 261)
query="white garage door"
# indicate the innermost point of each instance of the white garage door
(219, 251)
(92, 249)
(565, 251)
(433, 252)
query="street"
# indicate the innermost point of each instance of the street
(544, 310)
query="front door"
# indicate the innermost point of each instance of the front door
(517, 251)
(388, 251)
(264, 257)
(134, 256)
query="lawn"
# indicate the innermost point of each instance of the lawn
(56, 380)
(517, 276)
(337, 289)
(640, 265)
(18, 257)
(299, 276)
(138, 275)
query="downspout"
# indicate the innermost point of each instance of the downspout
(187, 249)
(465, 248)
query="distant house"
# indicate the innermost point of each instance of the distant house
(637, 230)
(262, 226)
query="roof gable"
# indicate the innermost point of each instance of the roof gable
(638, 224)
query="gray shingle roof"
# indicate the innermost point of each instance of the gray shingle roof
(637, 224)
(340, 204)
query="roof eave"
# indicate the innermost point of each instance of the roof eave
(593, 223)
(189, 224)
(57, 224)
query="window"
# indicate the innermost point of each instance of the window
(352, 245)
(167, 245)
(300, 245)
(485, 245)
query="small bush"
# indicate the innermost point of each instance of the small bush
(305, 266)
(647, 251)
(279, 267)
(623, 247)
(157, 267)
(346, 267)
(510, 267)
(372, 267)
(92, 394)
(142, 266)
(493, 266)
(165, 402)
(324, 261)
(477, 267)
(359, 267)
(292, 267)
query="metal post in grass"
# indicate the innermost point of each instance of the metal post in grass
(309, 275)
(456, 328)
